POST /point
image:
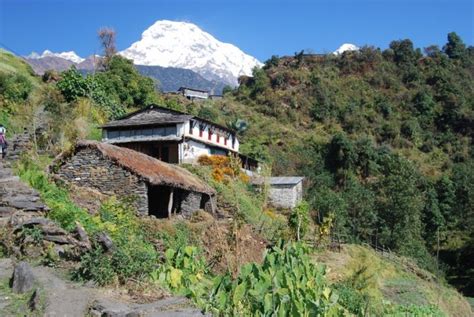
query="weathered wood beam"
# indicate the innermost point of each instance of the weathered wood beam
(170, 203)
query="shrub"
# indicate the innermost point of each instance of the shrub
(286, 284)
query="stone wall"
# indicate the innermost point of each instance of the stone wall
(285, 196)
(190, 202)
(88, 168)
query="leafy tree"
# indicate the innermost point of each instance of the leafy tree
(299, 220)
(73, 85)
(400, 205)
(272, 62)
(208, 113)
(124, 84)
(14, 87)
(361, 211)
(403, 51)
(433, 219)
(260, 81)
(342, 156)
(227, 90)
(455, 48)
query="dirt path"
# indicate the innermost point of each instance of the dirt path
(65, 298)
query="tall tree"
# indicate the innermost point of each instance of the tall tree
(107, 37)
(455, 48)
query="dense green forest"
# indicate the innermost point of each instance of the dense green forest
(384, 138)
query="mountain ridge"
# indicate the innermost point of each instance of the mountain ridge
(184, 45)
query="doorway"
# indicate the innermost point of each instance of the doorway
(159, 201)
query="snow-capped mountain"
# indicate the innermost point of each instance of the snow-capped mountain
(185, 45)
(346, 47)
(70, 56)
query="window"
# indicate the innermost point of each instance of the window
(218, 138)
(191, 123)
(210, 134)
(225, 141)
(201, 130)
(233, 141)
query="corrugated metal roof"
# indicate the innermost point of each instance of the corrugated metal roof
(280, 180)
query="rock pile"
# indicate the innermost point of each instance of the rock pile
(35, 236)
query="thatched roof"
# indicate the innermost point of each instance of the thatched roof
(151, 170)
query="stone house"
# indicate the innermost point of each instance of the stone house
(284, 192)
(173, 136)
(193, 94)
(159, 189)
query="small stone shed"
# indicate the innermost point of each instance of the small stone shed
(160, 189)
(284, 192)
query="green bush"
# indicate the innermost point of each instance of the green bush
(286, 284)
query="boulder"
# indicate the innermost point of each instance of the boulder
(105, 241)
(23, 279)
(38, 221)
(106, 308)
(81, 234)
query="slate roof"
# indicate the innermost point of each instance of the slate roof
(148, 116)
(280, 180)
(151, 170)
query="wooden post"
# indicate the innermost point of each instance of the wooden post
(170, 203)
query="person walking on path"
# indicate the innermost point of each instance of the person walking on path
(3, 141)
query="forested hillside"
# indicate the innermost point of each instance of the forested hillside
(384, 138)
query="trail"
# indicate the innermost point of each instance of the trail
(64, 298)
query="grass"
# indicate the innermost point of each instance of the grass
(12, 304)
(11, 64)
(384, 281)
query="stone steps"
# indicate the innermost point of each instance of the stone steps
(17, 199)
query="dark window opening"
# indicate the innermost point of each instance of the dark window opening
(218, 138)
(191, 127)
(210, 135)
(225, 141)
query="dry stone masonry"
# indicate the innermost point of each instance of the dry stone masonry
(90, 169)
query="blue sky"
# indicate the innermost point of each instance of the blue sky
(260, 27)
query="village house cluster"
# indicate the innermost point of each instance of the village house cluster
(140, 155)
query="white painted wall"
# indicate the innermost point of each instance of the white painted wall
(205, 137)
(180, 127)
(192, 150)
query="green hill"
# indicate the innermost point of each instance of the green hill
(383, 137)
